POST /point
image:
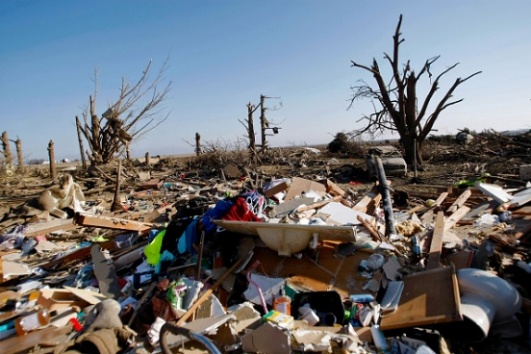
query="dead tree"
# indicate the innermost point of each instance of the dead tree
(51, 156)
(197, 144)
(7, 149)
(81, 146)
(395, 106)
(249, 127)
(134, 113)
(20, 155)
(264, 126)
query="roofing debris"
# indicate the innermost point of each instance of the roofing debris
(187, 262)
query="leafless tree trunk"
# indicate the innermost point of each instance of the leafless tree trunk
(7, 149)
(20, 155)
(148, 160)
(249, 128)
(116, 204)
(51, 156)
(395, 108)
(81, 146)
(197, 144)
(127, 118)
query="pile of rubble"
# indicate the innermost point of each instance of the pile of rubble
(250, 263)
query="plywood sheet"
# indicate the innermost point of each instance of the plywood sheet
(320, 272)
(429, 297)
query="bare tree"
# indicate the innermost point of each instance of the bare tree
(249, 128)
(6, 149)
(134, 113)
(396, 103)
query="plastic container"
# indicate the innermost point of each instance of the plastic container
(28, 323)
(282, 303)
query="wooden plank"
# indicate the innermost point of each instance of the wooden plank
(363, 204)
(436, 242)
(455, 217)
(44, 228)
(50, 335)
(460, 201)
(111, 223)
(429, 297)
(427, 217)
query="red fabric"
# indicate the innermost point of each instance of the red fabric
(240, 212)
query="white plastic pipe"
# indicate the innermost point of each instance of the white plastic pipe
(486, 299)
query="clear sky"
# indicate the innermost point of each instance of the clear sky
(224, 54)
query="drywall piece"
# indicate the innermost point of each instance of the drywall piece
(246, 317)
(270, 287)
(12, 268)
(343, 215)
(521, 198)
(266, 339)
(429, 297)
(494, 191)
(105, 273)
(287, 207)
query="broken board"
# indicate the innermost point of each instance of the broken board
(429, 297)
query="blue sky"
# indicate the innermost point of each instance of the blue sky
(224, 54)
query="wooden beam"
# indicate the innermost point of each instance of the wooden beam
(460, 201)
(111, 223)
(44, 228)
(363, 204)
(436, 242)
(455, 217)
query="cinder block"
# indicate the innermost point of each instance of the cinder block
(525, 172)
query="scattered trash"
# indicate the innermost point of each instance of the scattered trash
(242, 261)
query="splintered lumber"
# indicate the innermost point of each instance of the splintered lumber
(372, 231)
(111, 223)
(436, 242)
(460, 201)
(455, 217)
(363, 204)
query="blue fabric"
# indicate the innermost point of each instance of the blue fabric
(165, 256)
(217, 212)
(188, 238)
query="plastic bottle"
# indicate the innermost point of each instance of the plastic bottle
(27, 323)
(282, 303)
